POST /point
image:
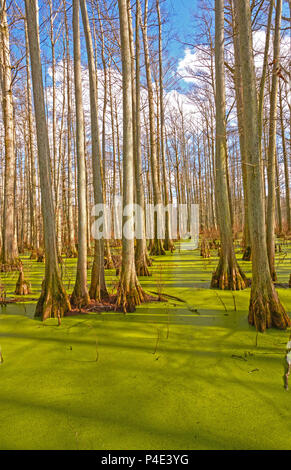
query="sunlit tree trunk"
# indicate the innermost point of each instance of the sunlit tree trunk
(80, 294)
(108, 256)
(242, 137)
(264, 74)
(130, 293)
(286, 166)
(265, 309)
(53, 301)
(71, 247)
(98, 289)
(272, 145)
(9, 252)
(228, 275)
(33, 219)
(157, 248)
(141, 255)
(168, 243)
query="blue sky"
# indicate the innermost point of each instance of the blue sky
(181, 20)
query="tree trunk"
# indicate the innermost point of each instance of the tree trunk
(130, 292)
(286, 167)
(33, 221)
(228, 274)
(168, 243)
(80, 294)
(157, 248)
(71, 248)
(272, 145)
(142, 260)
(265, 309)
(242, 136)
(9, 252)
(98, 289)
(53, 301)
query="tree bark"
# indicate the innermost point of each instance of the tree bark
(228, 274)
(9, 252)
(242, 136)
(130, 292)
(286, 167)
(272, 145)
(98, 290)
(80, 295)
(142, 260)
(265, 309)
(168, 243)
(53, 301)
(71, 248)
(157, 248)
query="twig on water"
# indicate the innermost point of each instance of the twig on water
(221, 301)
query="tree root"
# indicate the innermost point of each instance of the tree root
(141, 265)
(79, 298)
(157, 248)
(266, 311)
(128, 300)
(233, 279)
(53, 301)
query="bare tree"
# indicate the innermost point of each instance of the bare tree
(53, 301)
(157, 247)
(80, 294)
(228, 274)
(98, 289)
(9, 252)
(130, 292)
(272, 144)
(265, 309)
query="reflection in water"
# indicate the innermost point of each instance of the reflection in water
(18, 308)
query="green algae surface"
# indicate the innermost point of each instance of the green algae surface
(189, 373)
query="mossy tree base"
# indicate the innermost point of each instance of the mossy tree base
(98, 289)
(129, 292)
(98, 294)
(127, 300)
(22, 285)
(169, 245)
(157, 248)
(229, 276)
(266, 311)
(79, 297)
(53, 301)
(142, 263)
(141, 268)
